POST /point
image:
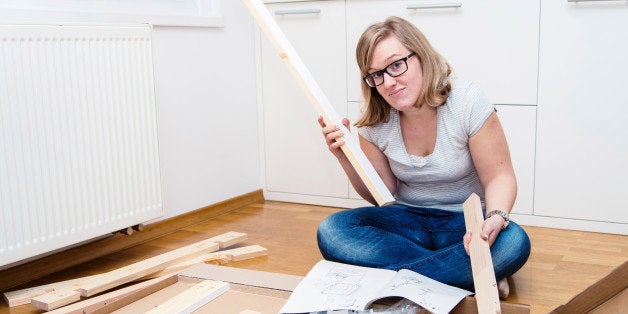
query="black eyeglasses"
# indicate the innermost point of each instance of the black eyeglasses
(394, 69)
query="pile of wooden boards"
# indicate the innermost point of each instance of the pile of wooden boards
(155, 272)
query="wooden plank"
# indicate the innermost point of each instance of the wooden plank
(318, 99)
(24, 296)
(138, 270)
(597, 293)
(151, 265)
(469, 305)
(481, 262)
(116, 299)
(122, 275)
(193, 298)
(221, 257)
(55, 299)
(228, 239)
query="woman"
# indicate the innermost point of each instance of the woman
(434, 140)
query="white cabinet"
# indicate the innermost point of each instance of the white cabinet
(567, 138)
(492, 42)
(582, 143)
(297, 160)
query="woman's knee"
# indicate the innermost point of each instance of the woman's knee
(511, 250)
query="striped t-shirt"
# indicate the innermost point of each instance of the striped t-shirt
(445, 178)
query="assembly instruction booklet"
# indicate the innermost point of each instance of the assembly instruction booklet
(336, 286)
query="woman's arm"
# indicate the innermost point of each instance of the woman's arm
(379, 161)
(491, 157)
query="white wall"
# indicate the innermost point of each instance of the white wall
(207, 112)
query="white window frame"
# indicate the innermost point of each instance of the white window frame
(199, 13)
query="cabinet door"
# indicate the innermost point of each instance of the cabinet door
(493, 42)
(297, 159)
(582, 147)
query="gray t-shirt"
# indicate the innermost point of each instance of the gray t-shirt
(445, 178)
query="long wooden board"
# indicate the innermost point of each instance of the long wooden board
(192, 298)
(25, 296)
(220, 257)
(316, 96)
(481, 262)
(118, 298)
(67, 295)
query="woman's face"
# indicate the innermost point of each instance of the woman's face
(400, 92)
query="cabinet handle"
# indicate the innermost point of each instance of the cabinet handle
(434, 6)
(592, 0)
(301, 11)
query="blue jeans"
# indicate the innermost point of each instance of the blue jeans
(425, 240)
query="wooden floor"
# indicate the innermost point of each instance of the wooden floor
(562, 262)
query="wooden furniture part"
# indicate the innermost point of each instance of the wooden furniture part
(469, 305)
(116, 299)
(134, 271)
(605, 294)
(351, 148)
(481, 261)
(247, 290)
(24, 296)
(220, 257)
(192, 298)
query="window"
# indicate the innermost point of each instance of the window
(205, 13)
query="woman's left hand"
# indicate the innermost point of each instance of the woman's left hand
(489, 231)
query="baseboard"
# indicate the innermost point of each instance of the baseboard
(40, 267)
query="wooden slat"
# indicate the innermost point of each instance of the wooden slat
(151, 265)
(24, 296)
(320, 102)
(138, 270)
(481, 262)
(56, 299)
(118, 298)
(597, 293)
(238, 254)
(469, 305)
(192, 298)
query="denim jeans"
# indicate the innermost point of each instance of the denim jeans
(425, 240)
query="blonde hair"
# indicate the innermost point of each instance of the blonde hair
(436, 70)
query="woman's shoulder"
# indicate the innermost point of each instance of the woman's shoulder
(381, 130)
(461, 86)
(465, 93)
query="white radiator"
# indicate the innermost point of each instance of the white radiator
(78, 135)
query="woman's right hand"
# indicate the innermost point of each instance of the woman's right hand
(333, 136)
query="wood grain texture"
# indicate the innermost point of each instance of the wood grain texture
(192, 298)
(562, 263)
(118, 298)
(481, 261)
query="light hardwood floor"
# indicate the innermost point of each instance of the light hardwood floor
(562, 262)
